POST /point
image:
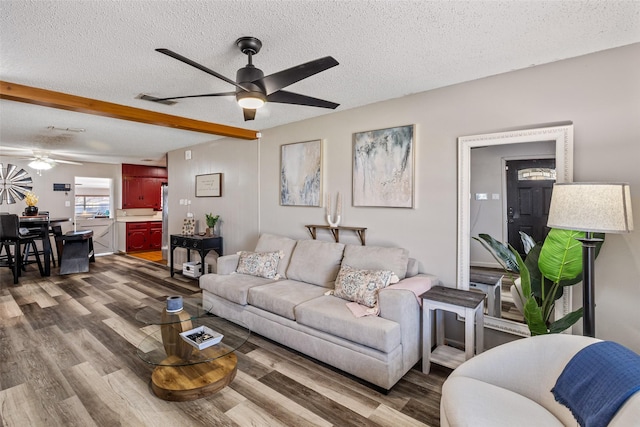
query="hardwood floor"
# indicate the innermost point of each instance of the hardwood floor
(67, 358)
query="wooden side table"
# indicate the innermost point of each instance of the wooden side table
(464, 303)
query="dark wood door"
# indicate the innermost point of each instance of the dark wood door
(529, 187)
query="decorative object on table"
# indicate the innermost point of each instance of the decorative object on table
(301, 173)
(31, 200)
(194, 269)
(14, 183)
(338, 210)
(174, 304)
(591, 207)
(383, 167)
(188, 226)
(547, 269)
(201, 337)
(211, 223)
(209, 185)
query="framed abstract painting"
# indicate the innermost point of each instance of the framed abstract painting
(300, 173)
(383, 167)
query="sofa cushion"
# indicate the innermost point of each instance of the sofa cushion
(377, 258)
(315, 262)
(272, 243)
(261, 264)
(361, 286)
(281, 297)
(330, 314)
(233, 287)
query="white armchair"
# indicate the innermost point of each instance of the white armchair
(511, 385)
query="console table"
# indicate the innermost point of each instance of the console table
(360, 231)
(464, 303)
(202, 244)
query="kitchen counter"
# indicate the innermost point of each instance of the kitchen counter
(139, 218)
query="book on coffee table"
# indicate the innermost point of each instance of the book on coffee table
(201, 337)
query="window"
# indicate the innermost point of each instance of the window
(537, 174)
(92, 205)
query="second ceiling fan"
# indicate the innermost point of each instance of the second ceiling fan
(253, 88)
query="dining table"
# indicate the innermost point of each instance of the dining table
(42, 224)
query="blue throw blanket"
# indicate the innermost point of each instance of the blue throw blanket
(597, 381)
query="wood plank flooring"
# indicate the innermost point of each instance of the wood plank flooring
(67, 358)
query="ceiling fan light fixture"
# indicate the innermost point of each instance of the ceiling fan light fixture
(251, 100)
(39, 164)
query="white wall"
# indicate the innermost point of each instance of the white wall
(599, 93)
(238, 208)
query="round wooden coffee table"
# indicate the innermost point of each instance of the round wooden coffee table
(183, 372)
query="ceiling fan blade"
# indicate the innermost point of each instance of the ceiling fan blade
(154, 99)
(249, 114)
(284, 78)
(68, 162)
(199, 67)
(284, 97)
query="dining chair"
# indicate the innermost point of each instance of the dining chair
(10, 236)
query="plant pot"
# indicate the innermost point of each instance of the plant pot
(31, 211)
(209, 232)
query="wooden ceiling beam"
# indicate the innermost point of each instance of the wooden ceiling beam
(49, 98)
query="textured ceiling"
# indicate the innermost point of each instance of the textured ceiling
(386, 49)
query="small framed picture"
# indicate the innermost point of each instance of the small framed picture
(209, 185)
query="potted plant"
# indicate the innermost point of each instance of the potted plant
(544, 273)
(211, 223)
(31, 200)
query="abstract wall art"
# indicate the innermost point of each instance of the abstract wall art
(300, 173)
(383, 167)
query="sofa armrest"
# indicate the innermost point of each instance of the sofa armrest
(227, 264)
(401, 306)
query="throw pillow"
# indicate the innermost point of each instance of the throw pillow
(261, 264)
(361, 286)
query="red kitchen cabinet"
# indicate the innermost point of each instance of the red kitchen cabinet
(144, 236)
(155, 235)
(142, 186)
(137, 236)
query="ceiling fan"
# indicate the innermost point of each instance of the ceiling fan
(253, 88)
(40, 160)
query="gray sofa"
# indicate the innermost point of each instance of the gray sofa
(294, 309)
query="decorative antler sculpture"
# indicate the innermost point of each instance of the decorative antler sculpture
(338, 210)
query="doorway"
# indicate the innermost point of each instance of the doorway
(529, 187)
(93, 210)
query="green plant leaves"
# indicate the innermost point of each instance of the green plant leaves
(561, 255)
(532, 312)
(500, 252)
(566, 322)
(547, 269)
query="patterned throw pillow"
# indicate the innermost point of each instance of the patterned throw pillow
(261, 264)
(361, 286)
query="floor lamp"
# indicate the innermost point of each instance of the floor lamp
(590, 207)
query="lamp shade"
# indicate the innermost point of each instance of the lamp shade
(591, 206)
